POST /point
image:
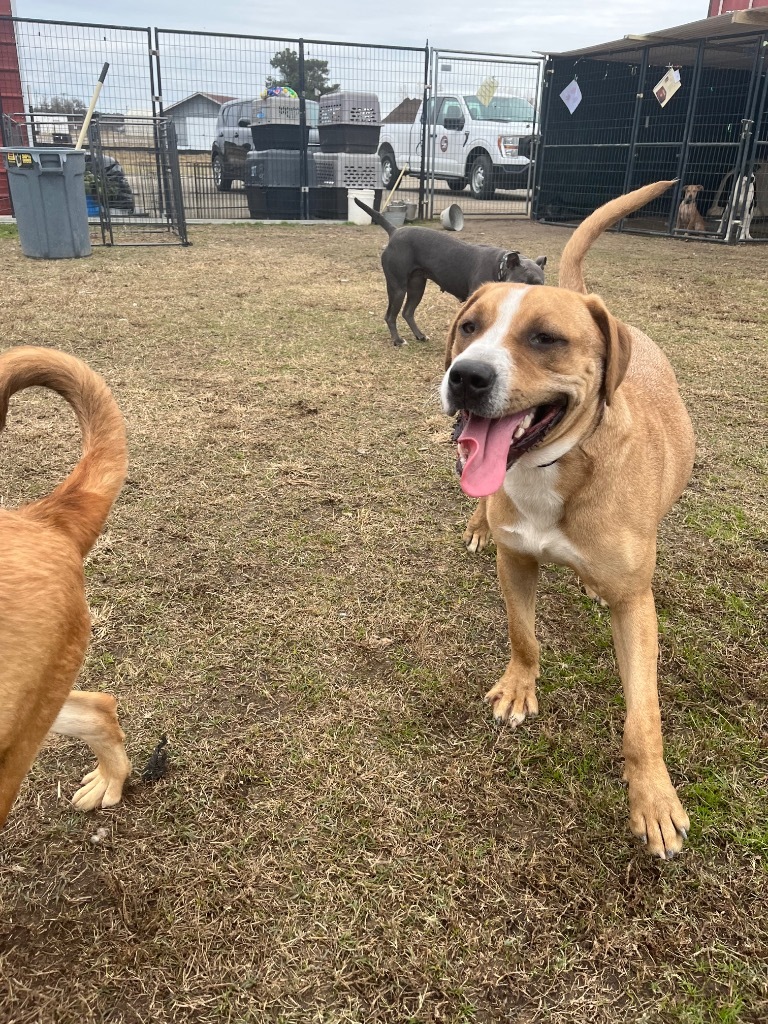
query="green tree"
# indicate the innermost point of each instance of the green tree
(315, 74)
(61, 105)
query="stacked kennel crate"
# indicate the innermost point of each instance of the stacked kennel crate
(348, 127)
(273, 168)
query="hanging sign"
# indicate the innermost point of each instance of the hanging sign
(487, 91)
(666, 88)
(571, 96)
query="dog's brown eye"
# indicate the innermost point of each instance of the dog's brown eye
(468, 327)
(545, 341)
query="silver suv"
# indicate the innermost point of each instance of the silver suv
(233, 140)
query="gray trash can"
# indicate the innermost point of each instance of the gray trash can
(48, 192)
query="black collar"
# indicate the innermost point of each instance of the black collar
(502, 269)
(600, 414)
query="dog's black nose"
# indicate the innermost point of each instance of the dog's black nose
(470, 381)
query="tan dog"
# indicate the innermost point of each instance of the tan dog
(577, 434)
(688, 216)
(44, 620)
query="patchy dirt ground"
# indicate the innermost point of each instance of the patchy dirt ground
(344, 835)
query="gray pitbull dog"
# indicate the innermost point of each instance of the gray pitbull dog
(414, 256)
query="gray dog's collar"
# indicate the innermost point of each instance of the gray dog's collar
(503, 265)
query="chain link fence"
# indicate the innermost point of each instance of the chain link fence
(692, 111)
(235, 159)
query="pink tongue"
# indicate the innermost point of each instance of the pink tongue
(488, 442)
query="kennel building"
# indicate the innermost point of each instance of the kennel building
(687, 103)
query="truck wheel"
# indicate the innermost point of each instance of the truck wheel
(389, 169)
(456, 184)
(222, 183)
(481, 177)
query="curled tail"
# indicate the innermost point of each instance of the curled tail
(79, 506)
(377, 218)
(571, 272)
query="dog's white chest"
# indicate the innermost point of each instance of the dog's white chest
(533, 490)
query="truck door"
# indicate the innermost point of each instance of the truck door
(450, 137)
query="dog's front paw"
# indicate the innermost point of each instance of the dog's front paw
(513, 698)
(477, 535)
(656, 815)
(99, 790)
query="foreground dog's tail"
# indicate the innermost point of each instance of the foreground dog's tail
(571, 272)
(378, 218)
(79, 506)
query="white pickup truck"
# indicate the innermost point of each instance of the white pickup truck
(475, 143)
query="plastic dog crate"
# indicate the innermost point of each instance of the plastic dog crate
(279, 136)
(278, 168)
(349, 122)
(349, 138)
(273, 203)
(349, 108)
(275, 110)
(348, 170)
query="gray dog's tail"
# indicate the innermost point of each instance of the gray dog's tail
(378, 218)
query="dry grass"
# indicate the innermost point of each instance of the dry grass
(345, 836)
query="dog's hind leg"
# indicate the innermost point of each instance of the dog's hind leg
(396, 293)
(92, 717)
(33, 686)
(416, 285)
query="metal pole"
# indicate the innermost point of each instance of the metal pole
(548, 81)
(423, 167)
(747, 135)
(685, 146)
(303, 169)
(629, 171)
(157, 111)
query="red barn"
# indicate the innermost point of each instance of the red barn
(11, 99)
(727, 6)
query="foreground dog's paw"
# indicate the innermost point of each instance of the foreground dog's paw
(99, 790)
(513, 699)
(477, 535)
(657, 817)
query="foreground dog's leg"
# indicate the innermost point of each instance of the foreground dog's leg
(656, 814)
(92, 717)
(477, 535)
(513, 698)
(416, 285)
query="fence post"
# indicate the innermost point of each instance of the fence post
(303, 169)
(157, 111)
(537, 150)
(639, 96)
(685, 146)
(423, 168)
(748, 124)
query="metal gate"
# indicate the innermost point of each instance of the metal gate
(482, 122)
(135, 184)
(186, 77)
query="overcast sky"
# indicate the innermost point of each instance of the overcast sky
(514, 27)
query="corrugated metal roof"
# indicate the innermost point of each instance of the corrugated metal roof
(721, 28)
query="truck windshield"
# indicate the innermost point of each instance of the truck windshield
(501, 108)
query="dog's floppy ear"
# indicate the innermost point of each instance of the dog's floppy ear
(618, 345)
(541, 261)
(512, 259)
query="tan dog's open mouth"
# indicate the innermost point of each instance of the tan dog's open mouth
(488, 447)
